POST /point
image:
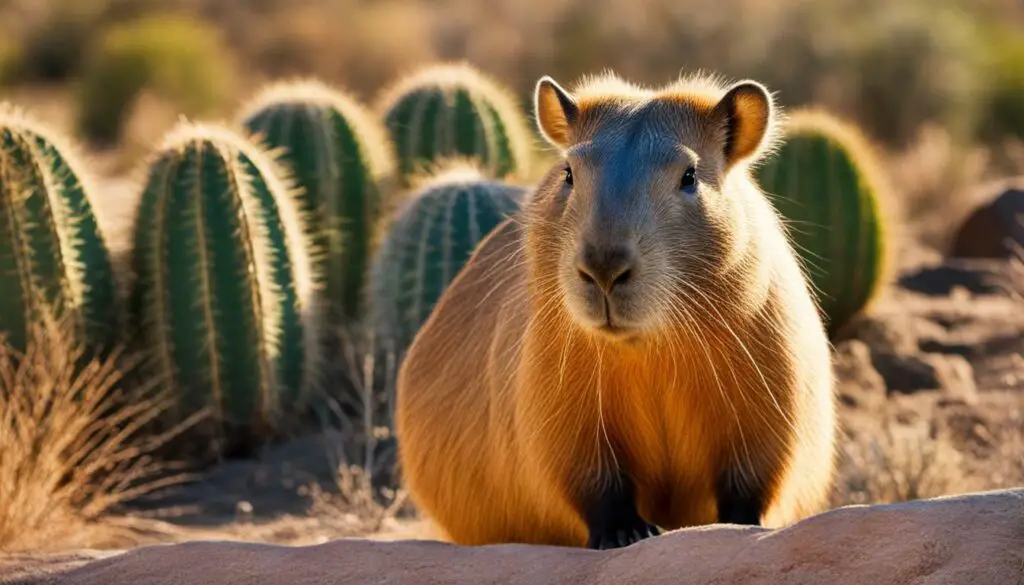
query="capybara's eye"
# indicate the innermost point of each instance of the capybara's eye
(568, 175)
(689, 182)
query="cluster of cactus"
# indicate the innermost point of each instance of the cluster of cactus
(250, 241)
(825, 183)
(53, 258)
(223, 290)
(429, 239)
(454, 111)
(338, 155)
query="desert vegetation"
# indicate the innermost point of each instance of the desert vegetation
(221, 223)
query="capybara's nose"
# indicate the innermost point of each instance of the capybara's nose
(606, 266)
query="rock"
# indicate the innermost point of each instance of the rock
(859, 383)
(909, 373)
(988, 231)
(30, 568)
(974, 538)
(956, 378)
(960, 276)
(897, 332)
(969, 429)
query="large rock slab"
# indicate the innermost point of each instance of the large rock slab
(962, 540)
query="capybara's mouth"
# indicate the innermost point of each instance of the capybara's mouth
(618, 332)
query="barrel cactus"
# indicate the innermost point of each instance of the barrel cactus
(224, 287)
(453, 110)
(339, 155)
(826, 184)
(431, 237)
(53, 257)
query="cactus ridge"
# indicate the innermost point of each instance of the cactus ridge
(453, 110)
(53, 256)
(339, 155)
(224, 284)
(428, 242)
(827, 186)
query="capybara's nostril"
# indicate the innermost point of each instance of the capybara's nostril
(585, 277)
(606, 266)
(623, 278)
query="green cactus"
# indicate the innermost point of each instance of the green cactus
(224, 286)
(431, 237)
(825, 183)
(453, 110)
(339, 156)
(53, 257)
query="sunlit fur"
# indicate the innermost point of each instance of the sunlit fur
(512, 407)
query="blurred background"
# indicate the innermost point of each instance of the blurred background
(936, 83)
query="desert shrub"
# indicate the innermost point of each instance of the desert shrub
(10, 61)
(1003, 115)
(70, 435)
(912, 64)
(899, 463)
(182, 59)
(53, 35)
(54, 42)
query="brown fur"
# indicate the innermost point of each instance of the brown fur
(513, 409)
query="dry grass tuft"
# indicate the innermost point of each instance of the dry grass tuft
(356, 508)
(368, 495)
(68, 441)
(900, 464)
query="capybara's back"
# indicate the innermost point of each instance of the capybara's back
(637, 349)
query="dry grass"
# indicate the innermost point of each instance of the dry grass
(356, 505)
(898, 464)
(368, 494)
(69, 445)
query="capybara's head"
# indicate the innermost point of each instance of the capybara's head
(646, 207)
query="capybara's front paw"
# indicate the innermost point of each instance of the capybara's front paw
(613, 520)
(620, 536)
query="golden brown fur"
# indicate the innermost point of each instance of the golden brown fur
(514, 407)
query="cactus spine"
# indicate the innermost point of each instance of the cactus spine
(826, 184)
(452, 111)
(432, 236)
(53, 257)
(224, 284)
(337, 152)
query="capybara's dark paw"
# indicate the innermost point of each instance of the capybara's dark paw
(616, 537)
(613, 519)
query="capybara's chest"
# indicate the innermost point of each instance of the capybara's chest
(674, 435)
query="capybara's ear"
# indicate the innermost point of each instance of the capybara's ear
(556, 111)
(746, 110)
